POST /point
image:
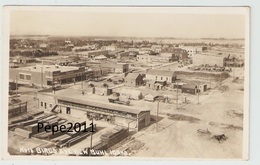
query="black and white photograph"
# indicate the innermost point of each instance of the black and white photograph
(126, 82)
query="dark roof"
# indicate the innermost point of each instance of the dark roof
(190, 86)
(132, 76)
(161, 73)
(105, 105)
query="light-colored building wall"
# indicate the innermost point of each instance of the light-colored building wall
(159, 78)
(207, 59)
(143, 58)
(46, 101)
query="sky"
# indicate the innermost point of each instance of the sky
(129, 23)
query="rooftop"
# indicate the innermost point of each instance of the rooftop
(190, 86)
(161, 73)
(75, 96)
(50, 68)
(132, 76)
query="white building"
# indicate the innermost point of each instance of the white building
(144, 58)
(160, 75)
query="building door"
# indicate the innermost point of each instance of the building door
(68, 110)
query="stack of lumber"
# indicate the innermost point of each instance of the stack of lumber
(23, 133)
(112, 137)
(77, 139)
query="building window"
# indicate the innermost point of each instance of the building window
(21, 76)
(166, 78)
(68, 110)
(28, 77)
(50, 105)
(41, 104)
(156, 77)
(45, 105)
(161, 78)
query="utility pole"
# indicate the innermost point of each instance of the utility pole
(42, 75)
(157, 116)
(82, 81)
(198, 93)
(91, 133)
(177, 96)
(16, 85)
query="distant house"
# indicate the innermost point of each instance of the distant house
(43, 46)
(70, 46)
(100, 58)
(116, 67)
(203, 87)
(131, 94)
(149, 97)
(133, 79)
(144, 58)
(155, 84)
(189, 88)
(122, 54)
(79, 63)
(160, 75)
(99, 71)
(110, 48)
(179, 54)
(25, 60)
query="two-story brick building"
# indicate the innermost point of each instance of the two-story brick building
(47, 75)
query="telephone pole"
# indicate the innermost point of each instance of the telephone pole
(91, 132)
(198, 90)
(16, 85)
(42, 75)
(177, 96)
(157, 116)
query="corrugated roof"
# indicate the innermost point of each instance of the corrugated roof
(161, 73)
(104, 105)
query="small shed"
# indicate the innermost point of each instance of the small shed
(203, 87)
(149, 97)
(189, 88)
(131, 94)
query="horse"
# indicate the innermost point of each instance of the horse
(220, 138)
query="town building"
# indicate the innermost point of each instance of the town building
(47, 75)
(116, 67)
(100, 58)
(143, 58)
(110, 48)
(121, 55)
(99, 71)
(156, 85)
(180, 54)
(189, 88)
(131, 94)
(192, 50)
(160, 75)
(72, 103)
(24, 60)
(134, 79)
(43, 46)
(17, 109)
(211, 58)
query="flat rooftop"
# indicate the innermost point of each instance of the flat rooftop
(48, 68)
(75, 96)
